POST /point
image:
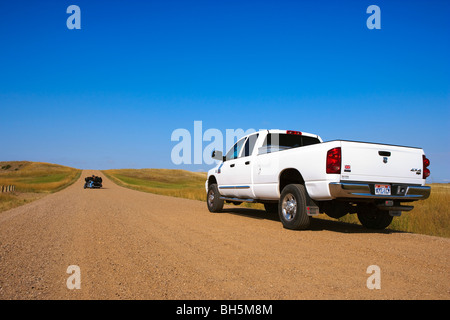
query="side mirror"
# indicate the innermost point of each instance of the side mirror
(217, 155)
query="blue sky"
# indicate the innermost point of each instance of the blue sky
(111, 94)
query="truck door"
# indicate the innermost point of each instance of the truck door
(266, 167)
(236, 172)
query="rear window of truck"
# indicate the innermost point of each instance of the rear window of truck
(278, 142)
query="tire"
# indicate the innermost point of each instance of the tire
(292, 207)
(271, 207)
(373, 218)
(215, 204)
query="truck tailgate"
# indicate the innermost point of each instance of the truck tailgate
(381, 163)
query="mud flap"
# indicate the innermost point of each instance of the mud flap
(312, 211)
(311, 207)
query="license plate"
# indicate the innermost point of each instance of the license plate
(383, 189)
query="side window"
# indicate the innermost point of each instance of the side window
(250, 145)
(235, 150)
(271, 144)
(278, 142)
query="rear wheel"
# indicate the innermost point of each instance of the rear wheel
(292, 207)
(215, 204)
(373, 218)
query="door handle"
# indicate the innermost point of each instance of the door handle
(232, 165)
(247, 162)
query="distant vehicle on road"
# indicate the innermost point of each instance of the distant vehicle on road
(93, 182)
(297, 175)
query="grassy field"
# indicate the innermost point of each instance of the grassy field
(431, 216)
(175, 183)
(33, 180)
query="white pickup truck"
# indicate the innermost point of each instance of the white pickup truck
(298, 175)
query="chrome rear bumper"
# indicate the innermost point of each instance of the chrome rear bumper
(357, 190)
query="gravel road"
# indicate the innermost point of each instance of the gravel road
(134, 245)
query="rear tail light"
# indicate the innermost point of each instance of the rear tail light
(426, 171)
(334, 160)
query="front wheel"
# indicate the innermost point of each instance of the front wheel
(215, 204)
(373, 218)
(292, 207)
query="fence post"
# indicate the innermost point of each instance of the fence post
(8, 188)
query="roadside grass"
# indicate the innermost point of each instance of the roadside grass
(33, 180)
(431, 216)
(168, 182)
